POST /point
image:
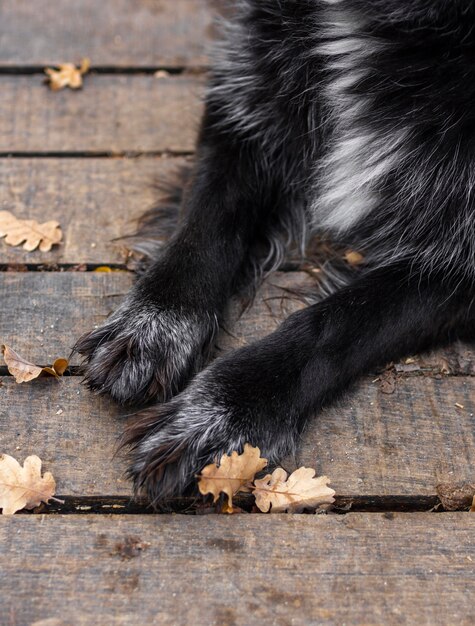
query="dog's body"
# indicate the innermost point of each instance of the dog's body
(356, 117)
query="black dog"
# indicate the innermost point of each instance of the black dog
(358, 118)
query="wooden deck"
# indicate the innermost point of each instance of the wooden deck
(393, 554)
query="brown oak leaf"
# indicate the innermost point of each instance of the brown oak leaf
(68, 75)
(29, 232)
(232, 474)
(23, 487)
(23, 371)
(301, 490)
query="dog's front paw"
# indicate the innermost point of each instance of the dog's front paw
(235, 401)
(144, 352)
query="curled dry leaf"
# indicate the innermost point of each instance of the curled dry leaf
(456, 496)
(23, 371)
(232, 474)
(472, 508)
(68, 75)
(353, 258)
(23, 487)
(29, 232)
(301, 490)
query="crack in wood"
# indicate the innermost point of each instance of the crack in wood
(28, 70)
(195, 506)
(93, 154)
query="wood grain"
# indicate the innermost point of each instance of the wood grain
(362, 569)
(119, 33)
(359, 569)
(74, 432)
(404, 443)
(112, 113)
(43, 314)
(95, 200)
(369, 444)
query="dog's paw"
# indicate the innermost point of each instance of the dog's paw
(236, 400)
(145, 353)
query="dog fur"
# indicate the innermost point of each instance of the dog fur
(348, 117)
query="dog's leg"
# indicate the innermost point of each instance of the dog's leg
(158, 338)
(263, 394)
(255, 155)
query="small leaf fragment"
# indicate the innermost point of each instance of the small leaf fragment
(353, 258)
(232, 474)
(23, 487)
(29, 232)
(279, 492)
(472, 508)
(60, 366)
(455, 496)
(68, 75)
(229, 508)
(23, 371)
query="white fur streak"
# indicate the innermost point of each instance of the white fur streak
(358, 158)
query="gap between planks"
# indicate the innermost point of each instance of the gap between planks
(344, 504)
(28, 70)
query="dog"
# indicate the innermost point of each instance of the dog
(354, 118)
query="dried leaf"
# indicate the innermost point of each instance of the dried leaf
(29, 232)
(232, 510)
(68, 75)
(456, 496)
(232, 474)
(23, 487)
(23, 371)
(297, 492)
(472, 508)
(105, 269)
(60, 366)
(353, 258)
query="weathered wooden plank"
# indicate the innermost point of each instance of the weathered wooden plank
(369, 444)
(119, 33)
(74, 432)
(361, 569)
(113, 113)
(404, 443)
(95, 200)
(43, 314)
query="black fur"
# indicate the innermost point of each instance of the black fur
(354, 117)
